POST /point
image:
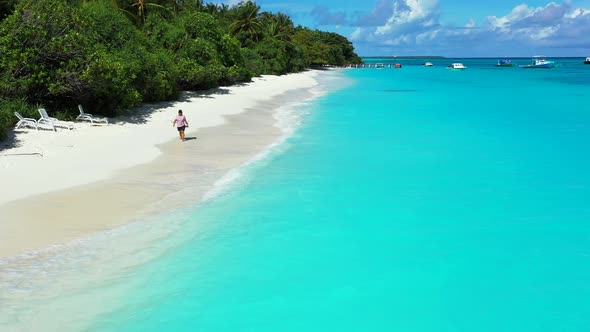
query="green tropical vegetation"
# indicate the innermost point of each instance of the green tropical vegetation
(112, 55)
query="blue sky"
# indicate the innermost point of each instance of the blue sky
(449, 27)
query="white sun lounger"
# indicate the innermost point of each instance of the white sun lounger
(89, 117)
(25, 122)
(57, 123)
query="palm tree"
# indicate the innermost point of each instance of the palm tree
(142, 7)
(175, 4)
(247, 20)
(284, 21)
(278, 26)
(285, 27)
(223, 9)
(211, 8)
(272, 29)
(137, 9)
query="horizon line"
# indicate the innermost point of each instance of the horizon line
(462, 57)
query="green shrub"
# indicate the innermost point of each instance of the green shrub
(253, 62)
(229, 51)
(159, 76)
(6, 8)
(235, 74)
(110, 78)
(7, 117)
(46, 47)
(273, 53)
(197, 77)
(139, 71)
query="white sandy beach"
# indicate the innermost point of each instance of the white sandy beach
(60, 186)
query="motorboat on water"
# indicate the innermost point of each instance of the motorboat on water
(456, 66)
(539, 61)
(587, 61)
(379, 66)
(427, 64)
(397, 65)
(504, 63)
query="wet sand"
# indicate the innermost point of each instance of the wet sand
(180, 176)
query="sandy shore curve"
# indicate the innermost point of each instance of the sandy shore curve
(61, 186)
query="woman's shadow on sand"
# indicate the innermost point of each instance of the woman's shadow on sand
(189, 138)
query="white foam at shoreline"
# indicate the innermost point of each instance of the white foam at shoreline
(74, 159)
(288, 119)
(54, 276)
(44, 276)
(285, 120)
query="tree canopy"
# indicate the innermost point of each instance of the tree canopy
(111, 55)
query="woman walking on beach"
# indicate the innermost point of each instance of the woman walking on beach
(181, 123)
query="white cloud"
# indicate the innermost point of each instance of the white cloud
(427, 36)
(578, 12)
(552, 21)
(356, 34)
(414, 23)
(502, 23)
(407, 12)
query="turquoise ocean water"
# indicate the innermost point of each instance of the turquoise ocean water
(414, 199)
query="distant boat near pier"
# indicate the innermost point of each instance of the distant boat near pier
(504, 63)
(456, 66)
(539, 61)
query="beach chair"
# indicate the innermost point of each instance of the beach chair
(45, 124)
(25, 122)
(45, 118)
(89, 117)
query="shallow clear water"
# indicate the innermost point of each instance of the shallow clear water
(413, 199)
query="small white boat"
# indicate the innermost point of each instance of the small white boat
(456, 66)
(539, 61)
(427, 64)
(587, 61)
(379, 66)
